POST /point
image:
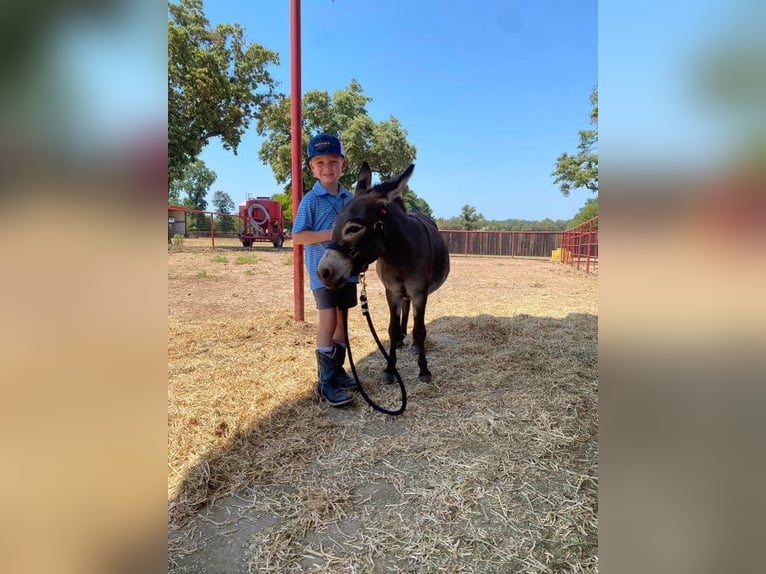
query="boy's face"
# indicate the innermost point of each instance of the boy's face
(327, 168)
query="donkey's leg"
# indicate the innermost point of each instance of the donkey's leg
(405, 318)
(394, 333)
(419, 335)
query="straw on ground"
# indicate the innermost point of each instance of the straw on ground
(493, 467)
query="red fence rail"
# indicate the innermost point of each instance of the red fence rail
(579, 246)
(509, 243)
(192, 223)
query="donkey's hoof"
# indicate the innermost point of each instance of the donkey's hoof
(387, 378)
(425, 378)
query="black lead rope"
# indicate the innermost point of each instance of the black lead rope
(366, 313)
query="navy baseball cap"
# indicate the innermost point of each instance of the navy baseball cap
(325, 144)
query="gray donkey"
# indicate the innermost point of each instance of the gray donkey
(413, 260)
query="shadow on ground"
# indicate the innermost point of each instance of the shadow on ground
(492, 468)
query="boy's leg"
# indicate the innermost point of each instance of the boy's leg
(339, 353)
(329, 387)
(339, 334)
(346, 299)
(327, 326)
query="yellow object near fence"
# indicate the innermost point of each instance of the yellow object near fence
(556, 255)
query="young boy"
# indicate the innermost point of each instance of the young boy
(313, 228)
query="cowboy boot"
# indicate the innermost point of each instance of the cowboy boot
(329, 389)
(342, 377)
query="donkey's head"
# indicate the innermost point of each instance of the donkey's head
(359, 235)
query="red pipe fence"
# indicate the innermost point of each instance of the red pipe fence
(579, 246)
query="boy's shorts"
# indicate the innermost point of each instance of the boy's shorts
(343, 298)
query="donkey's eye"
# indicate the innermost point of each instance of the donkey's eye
(353, 229)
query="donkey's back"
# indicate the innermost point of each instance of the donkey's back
(421, 266)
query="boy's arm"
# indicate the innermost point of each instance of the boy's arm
(308, 237)
(305, 223)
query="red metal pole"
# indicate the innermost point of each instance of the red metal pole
(296, 132)
(212, 229)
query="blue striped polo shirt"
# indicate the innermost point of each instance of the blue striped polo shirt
(317, 212)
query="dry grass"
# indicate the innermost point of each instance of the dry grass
(492, 468)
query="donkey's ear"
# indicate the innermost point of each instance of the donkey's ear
(365, 179)
(401, 181)
(393, 188)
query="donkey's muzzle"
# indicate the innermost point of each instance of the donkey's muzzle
(334, 269)
(329, 279)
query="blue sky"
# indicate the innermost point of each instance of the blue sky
(490, 92)
(653, 113)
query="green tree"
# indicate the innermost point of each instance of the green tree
(194, 180)
(174, 195)
(588, 211)
(217, 83)
(447, 223)
(224, 204)
(415, 203)
(382, 144)
(286, 202)
(470, 218)
(547, 224)
(581, 169)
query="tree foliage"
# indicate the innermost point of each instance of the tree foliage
(547, 224)
(581, 169)
(223, 202)
(194, 180)
(217, 83)
(286, 202)
(588, 211)
(470, 218)
(382, 144)
(415, 203)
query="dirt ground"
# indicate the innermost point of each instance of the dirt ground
(492, 468)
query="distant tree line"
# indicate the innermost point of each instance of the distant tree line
(455, 223)
(470, 219)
